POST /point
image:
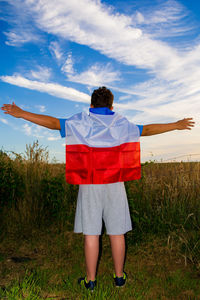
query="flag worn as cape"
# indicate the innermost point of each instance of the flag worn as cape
(101, 149)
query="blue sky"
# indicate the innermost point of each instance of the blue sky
(54, 53)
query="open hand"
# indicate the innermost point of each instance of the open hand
(186, 123)
(12, 110)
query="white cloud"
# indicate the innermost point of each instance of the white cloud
(4, 121)
(170, 11)
(19, 18)
(41, 108)
(97, 75)
(68, 65)
(126, 97)
(113, 34)
(16, 39)
(53, 138)
(167, 19)
(157, 100)
(116, 36)
(99, 28)
(53, 89)
(56, 51)
(34, 130)
(40, 73)
(27, 129)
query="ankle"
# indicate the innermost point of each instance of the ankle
(88, 278)
(119, 274)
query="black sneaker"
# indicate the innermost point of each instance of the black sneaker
(120, 281)
(90, 285)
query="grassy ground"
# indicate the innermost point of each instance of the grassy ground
(47, 265)
(36, 264)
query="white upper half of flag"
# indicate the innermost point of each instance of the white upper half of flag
(97, 130)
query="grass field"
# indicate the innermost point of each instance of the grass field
(41, 258)
(46, 266)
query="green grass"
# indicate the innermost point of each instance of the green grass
(155, 271)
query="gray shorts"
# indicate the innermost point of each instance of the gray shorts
(102, 201)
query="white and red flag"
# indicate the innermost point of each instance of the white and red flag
(101, 149)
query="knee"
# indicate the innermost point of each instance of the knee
(90, 240)
(116, 236)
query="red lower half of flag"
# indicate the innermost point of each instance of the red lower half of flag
(92, 165)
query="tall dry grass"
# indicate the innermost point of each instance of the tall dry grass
(166, 195)
(33, 193)
(166, 201)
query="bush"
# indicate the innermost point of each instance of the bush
(11, 182)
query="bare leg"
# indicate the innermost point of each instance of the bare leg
(91, 246)
(118, 253)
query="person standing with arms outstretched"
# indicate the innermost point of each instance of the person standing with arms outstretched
(102, 151)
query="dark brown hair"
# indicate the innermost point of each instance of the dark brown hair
(102, 97)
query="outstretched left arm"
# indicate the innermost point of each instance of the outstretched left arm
(152, 129)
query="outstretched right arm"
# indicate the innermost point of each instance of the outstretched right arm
(17, 112)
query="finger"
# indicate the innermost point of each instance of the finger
(5, 108)
(6, 105)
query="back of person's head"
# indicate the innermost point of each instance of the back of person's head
(102, 97)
